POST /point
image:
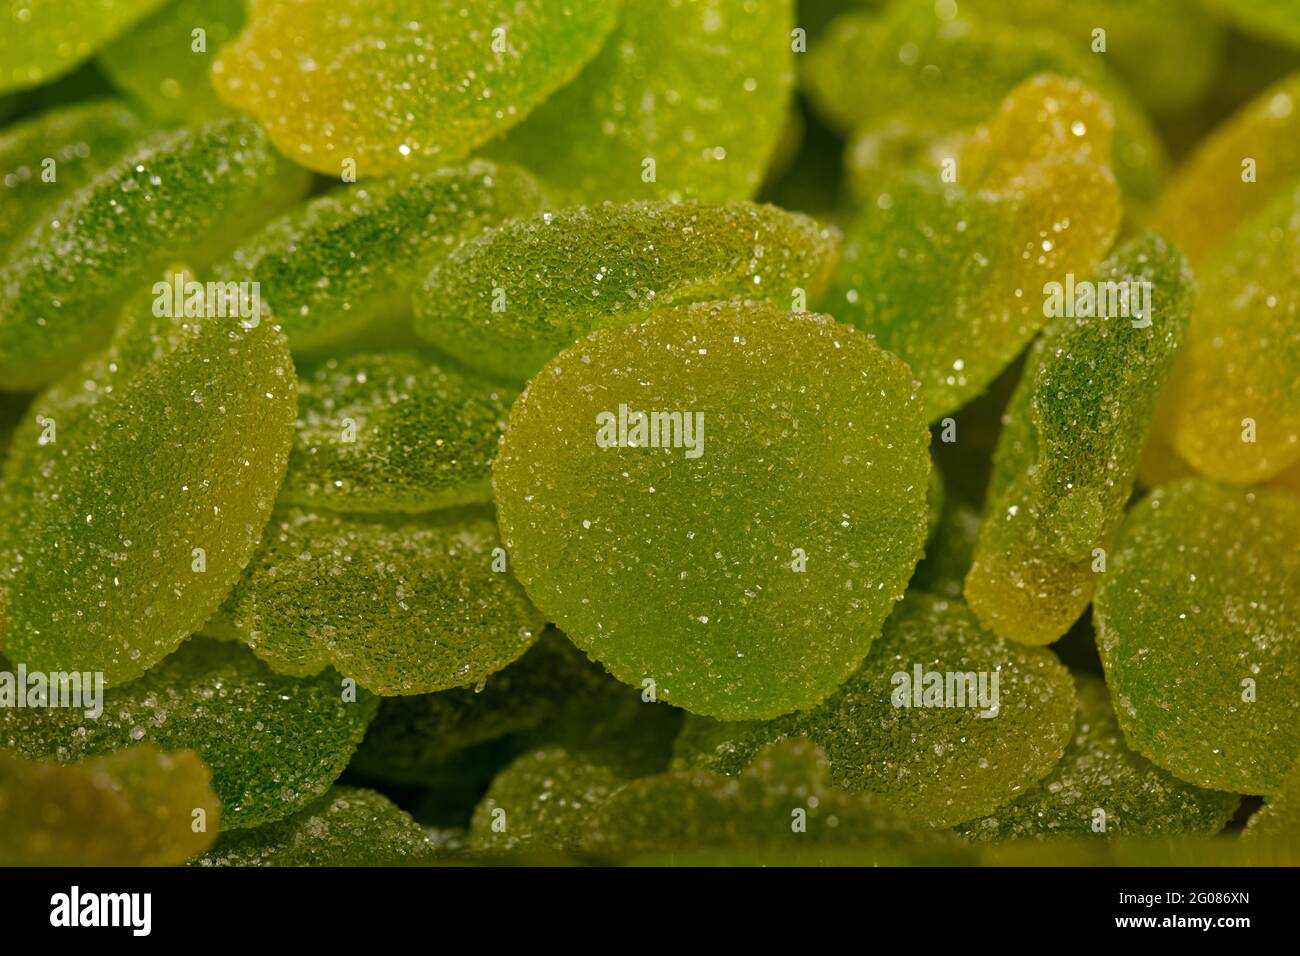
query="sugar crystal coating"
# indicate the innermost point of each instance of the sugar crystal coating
(795, 503)
(1196, 629)
(512, 298)
(403, 84)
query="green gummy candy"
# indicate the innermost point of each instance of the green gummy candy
(346, 827)
(178, 194)
(934, 763)
(1271, 20)
(134, 808)
(684, 101)
(393, 432)
(796, 502)
(402, 606)
(934, 500)
(399, 84)
(274, 743)
(53, 154)
(1279, 818)
(942, 572)
(515, 296)
(1102, 788)
(1196, 629)
(163, 63)
(44, 39)
(1072, 438)
(137, 489)
(340, 262)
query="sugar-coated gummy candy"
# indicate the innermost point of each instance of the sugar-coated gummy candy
(162, 64)
(1272, 20)
(512, 298)
(685, 100)
(795, 503)
(934, 763)
(393, 432)
(346, 827)
(179, 194)
(137, 490)
(274, 744)
(340, 262)
(403, 84)
(1071, 440)
(133, 808)
(951, 550)
(950, 275)
(1279, 818)
(402, 605)
(1102, 788)
(49, 156)
(44, 39)
(1196, 629)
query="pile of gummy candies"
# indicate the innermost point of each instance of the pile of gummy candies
(701, 431)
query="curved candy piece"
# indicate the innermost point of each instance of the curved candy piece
(1071, 440)
(403, 606)
(393, 432)
(731, 474)
(1279, 819)
(684, 101)
(135, 808)
(179, 194)
(942, 572)
(1196, 629)
(1271, 20)
(515, 296)
(137, 490)
(274, 743)
(387, 85)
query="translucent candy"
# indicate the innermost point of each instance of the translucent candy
(274, 743)
(393, 432)
(1196, 629)
(179, 194)
(949, 276)
(795, 501)
(686, 100)
(78, 140)
(1071, 441)
(44, 39)
(134, 808)
(935, 763)
(346, 827)
(138, 488)
(402, 606)
(337, 264)
(1102, 788)
(401, 84)
(164, 66)
(514, 297)
(1272, 20)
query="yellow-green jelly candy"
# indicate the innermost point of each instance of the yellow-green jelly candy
(920, 724)
(406, 605)
(335, 265)
(1237, 407)
(137, 489)
(949, 75)
(782, 491)
(44, 39)
(1272, 20)
(346, 827)
(1196, 629)
(274, 743)
(179, 194)
(951, 550)
(510, 299)
(1072, 438)
(950, 276)
(1279, 818)
(164, 62)
(385, 85)
(1102, 788)
(393, 432)
(685, 100)
(134, 808)
(1234, 172)
(542, 801)
(47, 157)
